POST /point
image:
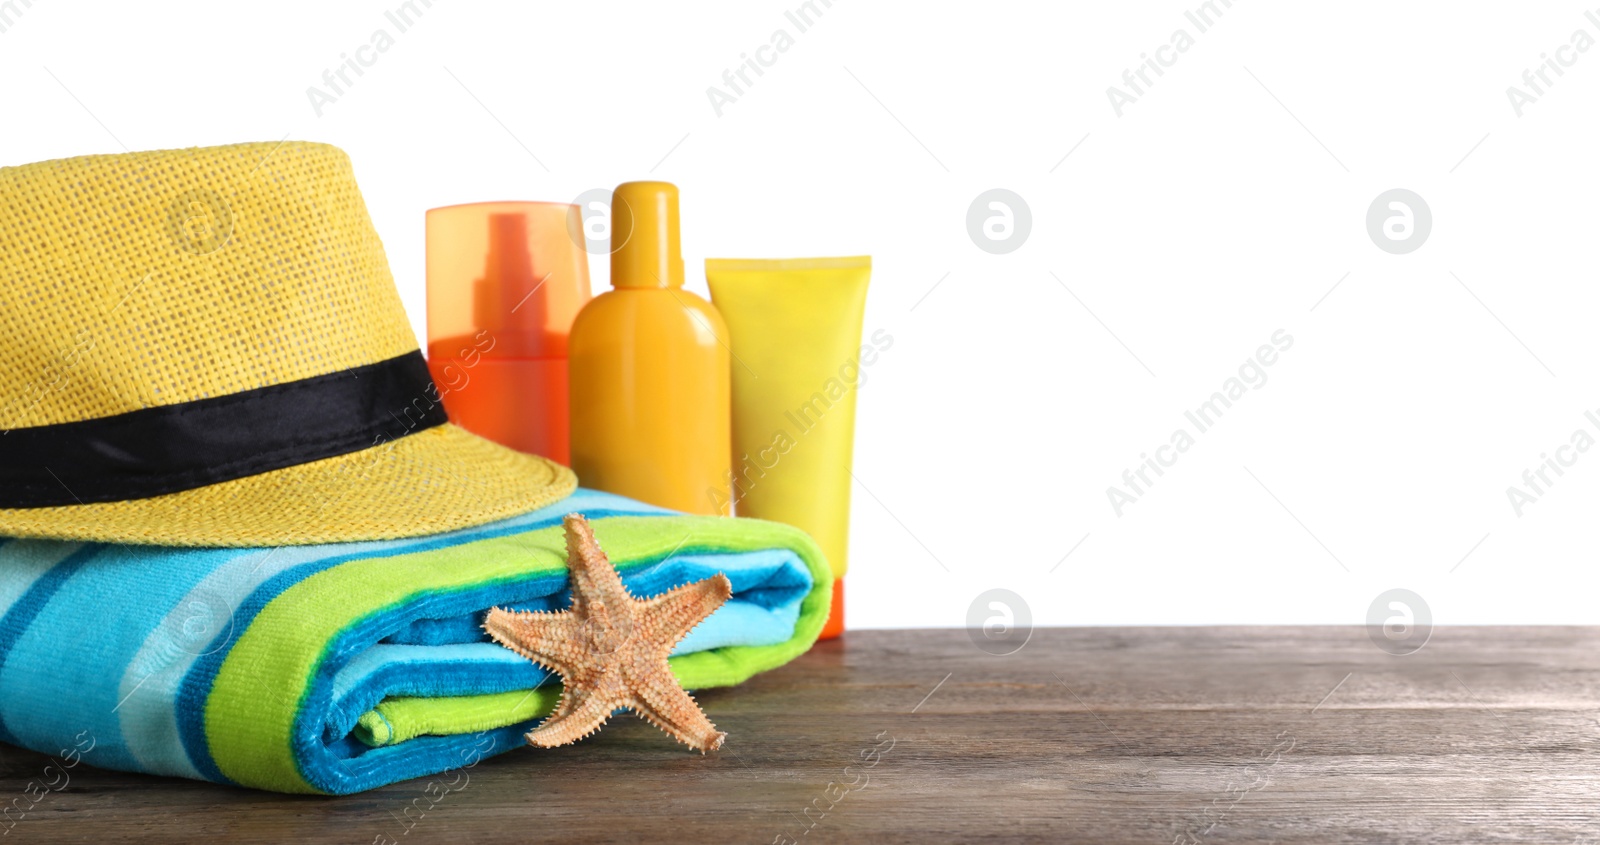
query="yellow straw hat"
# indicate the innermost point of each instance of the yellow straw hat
(205, 347)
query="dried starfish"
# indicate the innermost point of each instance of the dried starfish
(611, 649)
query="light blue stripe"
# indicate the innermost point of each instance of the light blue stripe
(385, 671)
(23, 562)
(381, 658)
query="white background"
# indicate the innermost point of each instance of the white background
(1219, 208)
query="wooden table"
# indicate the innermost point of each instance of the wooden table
(1149, 735)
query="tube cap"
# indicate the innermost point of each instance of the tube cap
(507, 269)
(644, 217)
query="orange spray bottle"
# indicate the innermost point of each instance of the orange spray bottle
(505, 280)
(649, 370)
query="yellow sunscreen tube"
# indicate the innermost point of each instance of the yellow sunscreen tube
(795, 329)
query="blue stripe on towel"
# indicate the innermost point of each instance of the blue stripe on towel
(25, 562)
(386, 671)
(20, 616)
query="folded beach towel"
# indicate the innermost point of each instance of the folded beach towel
(343, 667)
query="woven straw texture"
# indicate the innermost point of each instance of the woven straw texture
(146, 279)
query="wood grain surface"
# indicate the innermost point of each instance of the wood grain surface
(1150, 735)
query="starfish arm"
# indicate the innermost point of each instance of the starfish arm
(611, 649)
(597, 591)
(578, 715)
(549, 639)
(661, 702)
(669, 617)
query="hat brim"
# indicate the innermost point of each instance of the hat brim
(436, 480)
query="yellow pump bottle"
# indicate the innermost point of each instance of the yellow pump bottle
(648, 370)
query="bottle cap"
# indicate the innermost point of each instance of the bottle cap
(506, 270)
(644, 218)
